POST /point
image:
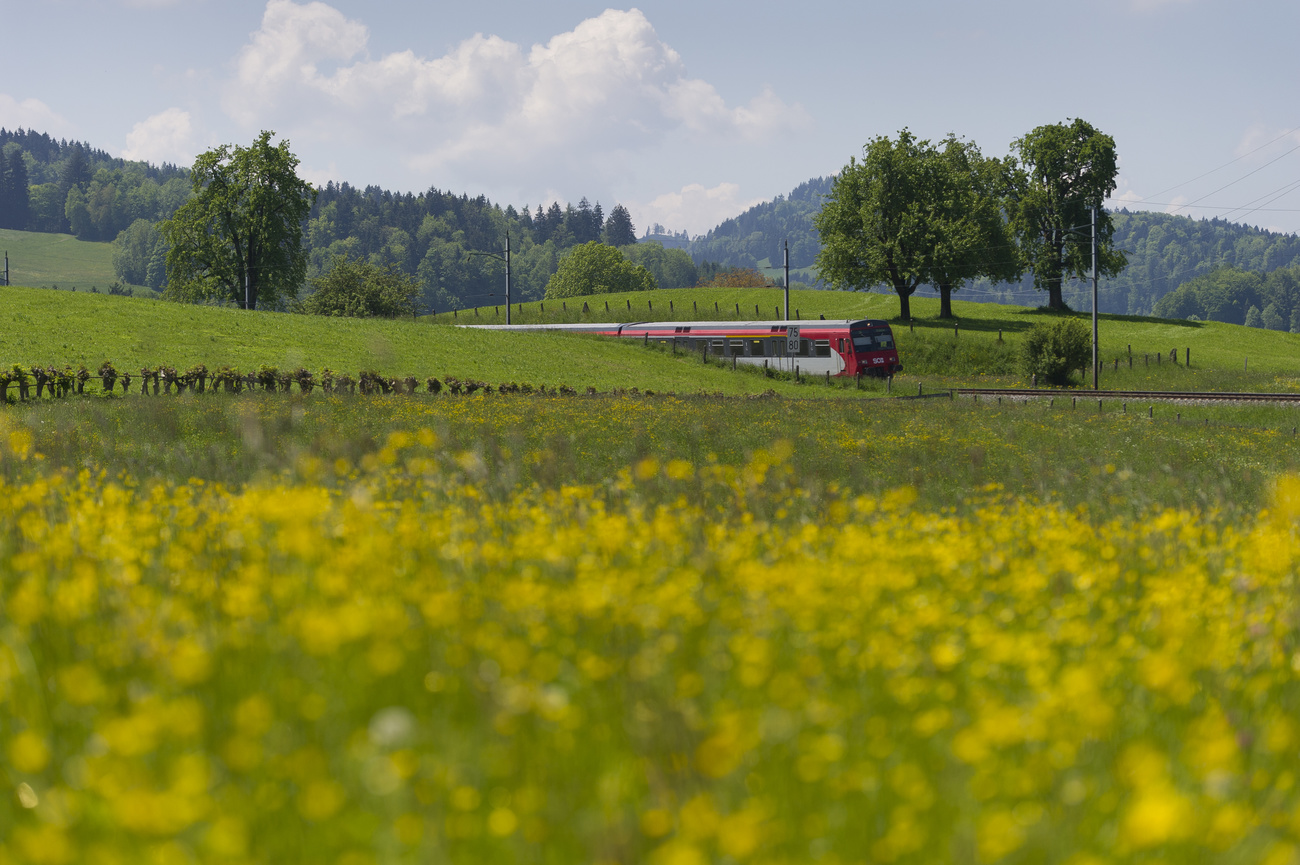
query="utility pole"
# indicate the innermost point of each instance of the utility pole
(1094, 297)
(787, 280)
(6, 267)
(245, 290)
(506, 259)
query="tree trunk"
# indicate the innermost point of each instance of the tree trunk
(904, 304)
(1054, 298)
(1055, 278)
(945, 300)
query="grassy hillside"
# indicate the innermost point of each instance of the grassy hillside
(1223, 355)
(47, 327)
(50, 260)
(59, 328)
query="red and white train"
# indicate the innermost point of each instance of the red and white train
(842, 347)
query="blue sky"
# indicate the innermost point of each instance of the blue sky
(685, 112)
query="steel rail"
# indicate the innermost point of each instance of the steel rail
(1153, 395)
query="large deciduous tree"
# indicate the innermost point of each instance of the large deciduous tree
(595, 268)
(241, 235)
(1064, 171)
(967, 203)
(357, 288)
(877, 224)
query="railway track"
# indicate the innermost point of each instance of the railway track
(1190, 397)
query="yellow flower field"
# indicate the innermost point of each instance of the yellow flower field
(386, 662)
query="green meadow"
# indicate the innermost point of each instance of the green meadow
(980, 348)
(58, 261)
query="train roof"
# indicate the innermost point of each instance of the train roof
(605, 327)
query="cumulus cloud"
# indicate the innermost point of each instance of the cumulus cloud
(694, 208)
(30, 114)
(1258, 142)
(164, 137)
(609, 86)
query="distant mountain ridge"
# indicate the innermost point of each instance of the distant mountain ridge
(762, 230)
(1164, 251)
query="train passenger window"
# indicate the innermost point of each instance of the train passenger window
(757, 348)
(804, 346)
(737, 348)
(822, 348)
(718, 346)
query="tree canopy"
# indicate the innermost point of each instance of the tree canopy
(1064, 171)
(671, 268)
(973, 240)
(240, 238)
(879, 223)
(596, 268)
(358, 288)
(911, 213)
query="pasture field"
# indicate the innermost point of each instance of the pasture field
(48, 260)
(276, 628)
(61, 328)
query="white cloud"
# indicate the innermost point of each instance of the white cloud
(694, 208)
(164, 137)
(31, 114)
(1258, 142)
(582, 103)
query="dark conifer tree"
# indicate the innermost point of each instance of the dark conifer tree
(619, 230)
(584, 226)
(5, 204)
(554, 219)
(15, 203)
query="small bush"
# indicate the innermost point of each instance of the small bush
(1053, 351)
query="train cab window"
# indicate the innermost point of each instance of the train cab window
(841, 347)
(875, 339)
(822, 348)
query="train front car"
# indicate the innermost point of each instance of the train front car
(874, 351)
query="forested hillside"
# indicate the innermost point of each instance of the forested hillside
(436, 236)
(761, 231)
(1164, 251)
(69, 187)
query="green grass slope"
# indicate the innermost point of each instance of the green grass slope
(57, 328)
(983, 342)
(49, 260)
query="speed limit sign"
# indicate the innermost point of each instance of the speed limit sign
(792, 340)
